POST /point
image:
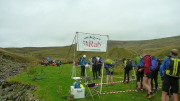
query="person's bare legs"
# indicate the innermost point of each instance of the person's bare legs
(139, 85)
(149, 83)
(175, 97)
(111, 77)
(146, 84)
(164, 95)
(107, 79)
(167, 98)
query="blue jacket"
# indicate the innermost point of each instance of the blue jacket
(83, 62)
(166, 63)
(161, 70)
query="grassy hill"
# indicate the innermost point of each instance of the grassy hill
(14, 57)
(154, 43)
(116, 49)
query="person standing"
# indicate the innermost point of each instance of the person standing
(147, 73)
(128, 67)
(94, 67)
(155, 76)
(82, 64)
(161, 72)
(139, 74)
(170, 81)
(109, 66)
(99, 65)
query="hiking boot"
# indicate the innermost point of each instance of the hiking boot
(144, 90)
(138, 90)
(155, 90)
(152, 94)
(147, 96)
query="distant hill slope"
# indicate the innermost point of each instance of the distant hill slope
(13, 57)
(155, 43)
(116, 49)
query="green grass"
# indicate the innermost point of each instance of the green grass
(52, 84)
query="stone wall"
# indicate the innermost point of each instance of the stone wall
(15, 91)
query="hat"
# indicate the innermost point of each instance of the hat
(84, 56)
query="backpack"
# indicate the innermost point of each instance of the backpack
(150, 62)
(94, 61)
(100, 61)
(154, 64)
(109, 61)
(129, 64)
(109, 67)
(158, 64)
(141, 63)
(77, 85)
(173, 68)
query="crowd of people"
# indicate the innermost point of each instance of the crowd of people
(147, 69)
(49, 62)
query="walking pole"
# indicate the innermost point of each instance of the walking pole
(101, 78)
(134, 73)
(85, 72)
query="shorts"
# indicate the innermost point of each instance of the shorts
(139, 76)
(162, 78)
(94, 68)
(109, 72)
(170, 82)
(149, 75)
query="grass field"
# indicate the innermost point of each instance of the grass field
(54, 82)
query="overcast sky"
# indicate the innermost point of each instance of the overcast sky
(39, 23)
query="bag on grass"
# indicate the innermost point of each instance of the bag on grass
(77, 85)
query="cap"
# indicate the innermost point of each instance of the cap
(84, 56)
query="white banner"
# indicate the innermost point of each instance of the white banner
(90, 42)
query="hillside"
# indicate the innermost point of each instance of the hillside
(4, 54)
(116, 49)
(155, 43)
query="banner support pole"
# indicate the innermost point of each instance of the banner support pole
(74, 68)
(103, 66)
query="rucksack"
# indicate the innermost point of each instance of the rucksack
(158, 64)
(141, 63)
(100, 61)
(174, 67)
(77, 85)
(150, 62)
(109, 67)
(94, 61)
(129, 64)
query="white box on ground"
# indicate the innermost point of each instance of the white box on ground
(78, 92)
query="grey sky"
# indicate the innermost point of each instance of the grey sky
(29, 23)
